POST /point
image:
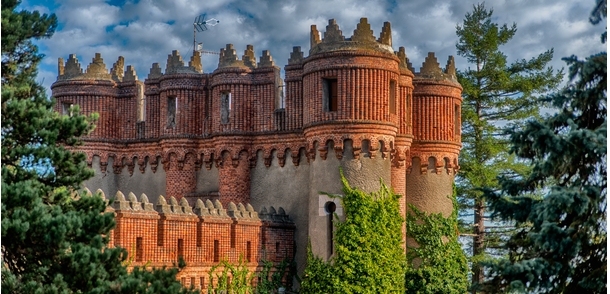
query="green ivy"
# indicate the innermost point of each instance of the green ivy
(437, 264)
(369, 257)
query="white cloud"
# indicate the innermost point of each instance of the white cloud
(147, 31)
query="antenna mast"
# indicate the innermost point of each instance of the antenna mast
(199, 25)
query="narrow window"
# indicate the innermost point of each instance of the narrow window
(201, 282)
(225, 107)
(330, 94)
(199, 236)
(248, 251)
(139, 249)
(192, 282)
(330, 208)
(172, 105)
(180, 249)
(141, 102)
(456, 123)
(277, 248)
(66, 108)
(233, 236)
(393, 97)
(216, 251)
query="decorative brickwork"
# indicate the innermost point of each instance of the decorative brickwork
(241, 132)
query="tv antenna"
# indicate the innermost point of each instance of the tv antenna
(199, 25)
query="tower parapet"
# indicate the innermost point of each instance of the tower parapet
(436, 137)
(239, 135)
(362, 38)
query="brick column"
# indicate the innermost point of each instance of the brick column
(399, 183)
(181, 177)
(234, 180)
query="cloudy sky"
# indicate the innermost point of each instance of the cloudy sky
(146, 31)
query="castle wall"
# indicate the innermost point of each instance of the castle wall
(285, 187)
(364, 173)
(207, 180)
(148, 182)
(227, 137)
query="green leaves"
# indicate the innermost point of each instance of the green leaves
(561, 247)
(498, 96)
(369, 257)
(438, 264)
(53, 242)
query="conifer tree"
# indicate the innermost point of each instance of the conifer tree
(53, 240)
(497, 96)
(563, 247)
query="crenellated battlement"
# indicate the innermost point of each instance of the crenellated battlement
(218, 144)
(96, 70)
(362, 38)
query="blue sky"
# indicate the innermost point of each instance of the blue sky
(146, 31)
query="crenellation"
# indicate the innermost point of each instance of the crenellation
(155, 71)
(385, 37)
(146, 205)
(96, 70)
(362, 33)
(266, 60)
(248, 58)
(117, 69)
(195, 62)
(130, 74)
(430, 67)
(296, 56)
(120, 203)
(353, 102)
(333, 33)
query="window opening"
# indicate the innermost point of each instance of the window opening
(66, 108)
(248, 251)
(139, 249)
(330, 208)
(180, 249)
(225, 107)
(216, 251)
(330, 94)
(172, 105)
(393, 97)
(456, 123)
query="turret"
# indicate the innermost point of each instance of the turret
(436, 137)
(115, 95)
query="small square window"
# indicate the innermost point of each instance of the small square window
(66, 108)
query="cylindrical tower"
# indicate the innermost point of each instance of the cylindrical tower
(353, 107)
(436, 143)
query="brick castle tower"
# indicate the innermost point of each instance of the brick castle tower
(211, 147)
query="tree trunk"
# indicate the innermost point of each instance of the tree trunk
(479, 241)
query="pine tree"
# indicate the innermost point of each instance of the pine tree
(369, 257)
(53, 239)
(563, 248)
(497, 96)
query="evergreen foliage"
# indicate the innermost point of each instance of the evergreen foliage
(53, 240)
(369, 257)
(563, 248)
(437, 264)
(497, 96)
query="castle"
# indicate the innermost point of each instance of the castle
(235, 160)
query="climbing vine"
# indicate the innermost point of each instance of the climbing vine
(369, 257)
(437, 264)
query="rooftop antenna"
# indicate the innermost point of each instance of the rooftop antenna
(199, 25)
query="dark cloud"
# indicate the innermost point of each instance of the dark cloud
(147, 31)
